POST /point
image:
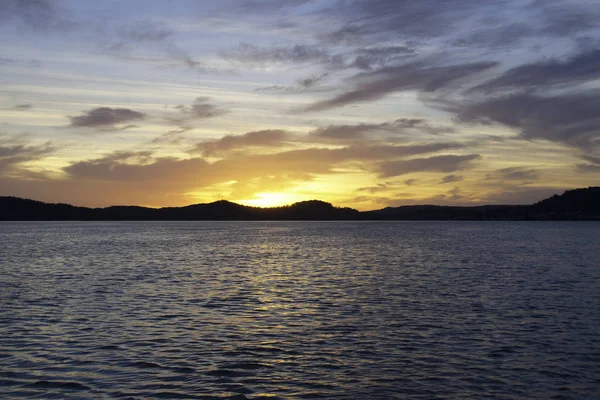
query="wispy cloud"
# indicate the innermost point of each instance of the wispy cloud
(105, 117)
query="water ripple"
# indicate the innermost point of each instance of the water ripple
(267, 310)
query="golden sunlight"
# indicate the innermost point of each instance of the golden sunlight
(270, 199)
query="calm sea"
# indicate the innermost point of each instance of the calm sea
(278, 310)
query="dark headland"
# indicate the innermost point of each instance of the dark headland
(577, 204)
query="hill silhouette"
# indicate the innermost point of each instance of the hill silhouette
(577, 204)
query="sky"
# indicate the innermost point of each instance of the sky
(361, 103)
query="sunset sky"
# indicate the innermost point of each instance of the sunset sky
(363, 104)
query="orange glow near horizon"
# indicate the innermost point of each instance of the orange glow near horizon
(270, 199)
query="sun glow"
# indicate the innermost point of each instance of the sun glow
(270, 199)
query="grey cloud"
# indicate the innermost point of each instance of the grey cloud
(444, 163)
(422, 19)
(13, 153)
(514, 174)
(414, 76)
(370, 58)
(274, 88)
(592, 166)
(264, 138)
(105, 117)
(407, 126)
(521, 195)
(35, 14)
(120, 167)
(313, 80)
(410, 182)
(451, 178)
(23, 107)
(588, 168)
(380, 187)
(567, 18)
(201, 108)
(173, 137)
(145, 31)
(591, 159)
(126, 40)
(296, 54)
(577, 69)
(572, 119)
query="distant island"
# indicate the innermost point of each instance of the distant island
(577, 204)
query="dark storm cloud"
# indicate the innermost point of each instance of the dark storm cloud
(451, 178)
(105, 117)
(414, 76)
(577, 69)
(572, 119)
(444, 163)
(514, 174)
(264, 138)
(35, 14)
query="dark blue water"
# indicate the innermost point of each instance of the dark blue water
(266, 310)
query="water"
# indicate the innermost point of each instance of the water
(266, 310)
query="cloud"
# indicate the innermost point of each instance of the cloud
(588, 168)
(370, 58)
(380, 187)
(402, 126)
(127, 42)
(572, 119)
(202, 108)
(14, 152)
(593, 165)
(451, 178)
(23, 107)
(312, 81)
(415, 76)
(173, 137)
(577, 69)
(294, 54)
(444, 163)
(514, 174)
(568, 18)
(264, 138)
(520, 195)
(400, 18)
(145, 31)
(105, 117)
(44, 15)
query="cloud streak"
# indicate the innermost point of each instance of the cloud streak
(415, 76)
(105, 117)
